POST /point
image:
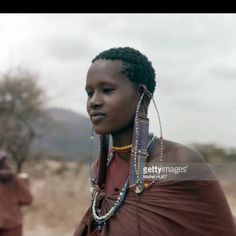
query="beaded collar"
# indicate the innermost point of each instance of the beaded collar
(101, 219)
(122, 149)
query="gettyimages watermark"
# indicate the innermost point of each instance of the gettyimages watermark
(162, 172)
(189, 171)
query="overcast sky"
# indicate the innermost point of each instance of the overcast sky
(194, 56)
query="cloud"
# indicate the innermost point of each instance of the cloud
(68, 48)
(225, 73)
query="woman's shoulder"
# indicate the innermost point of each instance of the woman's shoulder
(176, 152)
(183, 159)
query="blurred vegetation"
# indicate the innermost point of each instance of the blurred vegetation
(216, 153)
(22, 100)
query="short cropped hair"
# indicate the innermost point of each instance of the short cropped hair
(137, 67)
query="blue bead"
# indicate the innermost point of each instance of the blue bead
(99, 227)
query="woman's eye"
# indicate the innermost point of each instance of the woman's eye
(90, 93)
(107, 90)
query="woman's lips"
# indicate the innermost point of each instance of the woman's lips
(97, 118)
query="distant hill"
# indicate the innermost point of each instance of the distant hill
(66, 134)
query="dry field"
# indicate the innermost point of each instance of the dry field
(61, 196)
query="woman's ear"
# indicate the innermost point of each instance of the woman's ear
(146, 99)
(142, 88)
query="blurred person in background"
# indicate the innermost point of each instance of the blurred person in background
(14, 193)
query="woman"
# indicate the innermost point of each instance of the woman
(14, 193)
(120, 84)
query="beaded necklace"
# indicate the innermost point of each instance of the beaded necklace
(96, 213)
(122, 149)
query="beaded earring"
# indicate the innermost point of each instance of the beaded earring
(139, 145)
(98, 178)
(92, 178)
(102, 164)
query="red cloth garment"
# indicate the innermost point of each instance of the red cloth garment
(173, 208)
(13, 194)
(17, 231)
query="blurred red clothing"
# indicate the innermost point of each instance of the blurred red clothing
(14, 193)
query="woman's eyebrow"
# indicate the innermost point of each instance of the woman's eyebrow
(100, 84)
(108, 83)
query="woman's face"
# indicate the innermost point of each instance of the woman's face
(112, 97)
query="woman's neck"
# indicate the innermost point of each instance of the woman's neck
(123, 138)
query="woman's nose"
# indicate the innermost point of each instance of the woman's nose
(96, 100)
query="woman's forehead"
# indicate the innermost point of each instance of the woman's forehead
(106, 66)
(106, 71)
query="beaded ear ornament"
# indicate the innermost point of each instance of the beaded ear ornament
(139, 145)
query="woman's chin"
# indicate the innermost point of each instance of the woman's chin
(101, 131)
